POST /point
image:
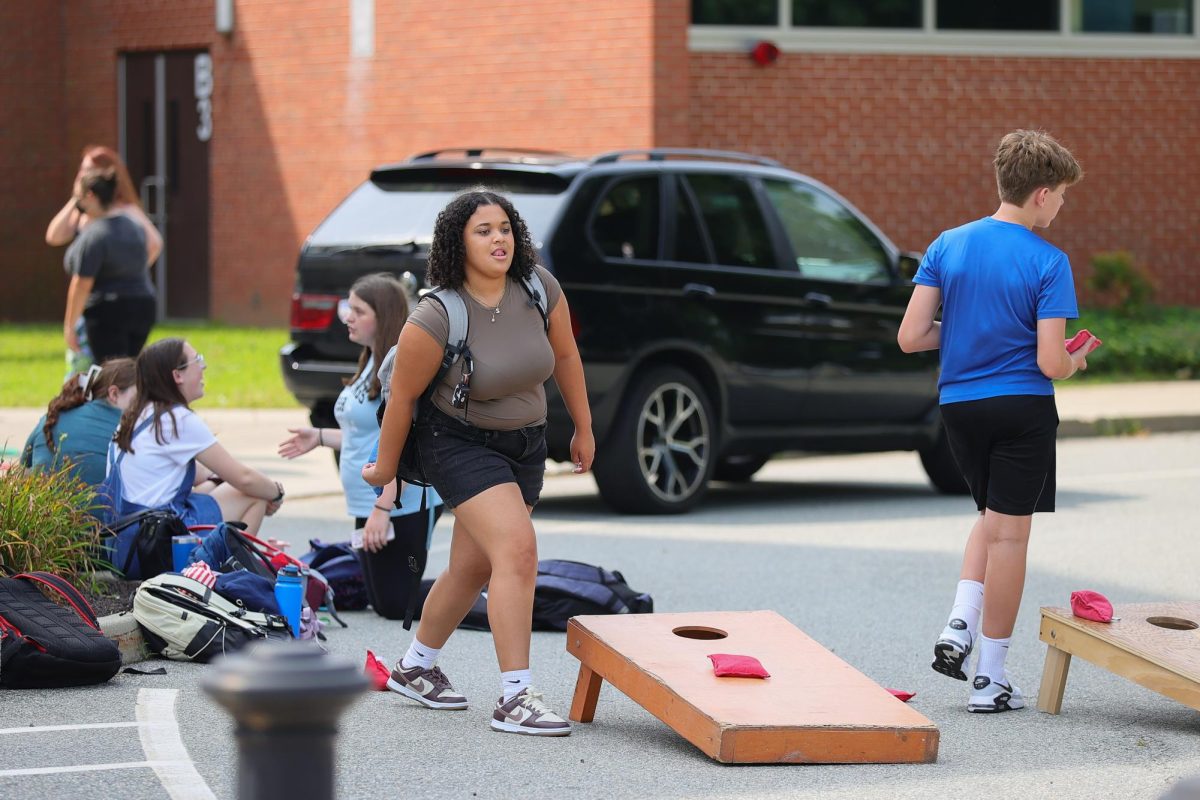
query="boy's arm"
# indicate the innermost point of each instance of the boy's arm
(919, 330)
(1052, 357)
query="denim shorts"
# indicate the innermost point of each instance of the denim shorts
(462, 461)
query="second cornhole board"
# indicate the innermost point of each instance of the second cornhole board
(1156, 645)
(814, 709)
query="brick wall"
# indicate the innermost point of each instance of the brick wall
(909, 140)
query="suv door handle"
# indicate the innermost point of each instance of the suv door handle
(818, 299)
(701, 290)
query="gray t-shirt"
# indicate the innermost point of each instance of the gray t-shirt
(513, 357)
(112, 250)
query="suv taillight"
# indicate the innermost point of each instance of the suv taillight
(313, 312)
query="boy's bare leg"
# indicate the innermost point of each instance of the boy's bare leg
(975, 556)
(1007, 538)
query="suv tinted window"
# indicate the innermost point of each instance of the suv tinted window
(830, 242)
(734, 220)
(625, 224)
(690, 244)
(401, 207)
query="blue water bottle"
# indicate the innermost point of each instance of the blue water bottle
(289, 592)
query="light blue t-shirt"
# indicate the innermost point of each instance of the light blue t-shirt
(997, 280)
(356, 416)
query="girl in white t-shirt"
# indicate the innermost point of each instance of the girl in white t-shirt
(166, 457)
(374, 313)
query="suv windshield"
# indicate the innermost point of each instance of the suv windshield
(400, 207)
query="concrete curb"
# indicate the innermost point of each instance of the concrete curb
(1127, 426)
(123, 629)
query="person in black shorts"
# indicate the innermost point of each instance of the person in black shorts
(109, 286)
(1005, 295)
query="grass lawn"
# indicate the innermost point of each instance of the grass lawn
(243, 364)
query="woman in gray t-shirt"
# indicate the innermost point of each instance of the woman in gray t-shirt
(482, 443)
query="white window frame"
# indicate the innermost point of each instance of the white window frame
(929, 40)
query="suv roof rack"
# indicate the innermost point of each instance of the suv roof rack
(479, 152)
(663, 153)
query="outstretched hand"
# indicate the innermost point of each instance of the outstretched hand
(300, 442)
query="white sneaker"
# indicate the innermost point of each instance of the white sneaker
(990, 697)
(526, 713)
(952, 648)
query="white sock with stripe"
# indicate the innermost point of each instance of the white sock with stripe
(515, 682)
(419, 655)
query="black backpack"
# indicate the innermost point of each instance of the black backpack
(566, 589)
(44, 645)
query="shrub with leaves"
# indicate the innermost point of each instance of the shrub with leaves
(1121, 283)
(46, 524)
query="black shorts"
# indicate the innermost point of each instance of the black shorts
(1005, 449)
(461, 460)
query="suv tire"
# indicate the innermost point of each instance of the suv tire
(660, 451)
(738, 469)
(941, 467)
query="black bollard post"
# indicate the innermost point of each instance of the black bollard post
(286, 698)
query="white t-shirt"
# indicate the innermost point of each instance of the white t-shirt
(151, 474)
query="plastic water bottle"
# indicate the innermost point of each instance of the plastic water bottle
(289, 592)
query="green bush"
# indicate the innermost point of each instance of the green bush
(1161, 343)
(46, 524)
(1119, 282)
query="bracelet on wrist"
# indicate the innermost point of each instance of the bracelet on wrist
(320, 438)
(383, 508)
(278, 497)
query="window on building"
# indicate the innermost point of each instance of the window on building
(1132, 16)
(734, 220)
(998, 15)
(690, 244)
(863, 14)
(626, 220)
(829, 241)
(735, 12)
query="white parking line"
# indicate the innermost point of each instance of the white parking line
(4, 773)
(44, 728)
(164, 748)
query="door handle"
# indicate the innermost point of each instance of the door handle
(818, 299)
(700, 290)
(156, 211)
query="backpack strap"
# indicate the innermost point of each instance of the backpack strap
(536, 290)
(67, 591)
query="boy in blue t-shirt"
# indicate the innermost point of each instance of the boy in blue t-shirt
(1006, 295)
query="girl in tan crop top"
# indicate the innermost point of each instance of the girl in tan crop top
(486, 456)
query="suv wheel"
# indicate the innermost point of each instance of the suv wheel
(658, 456)
(941, 467)
(738, 469)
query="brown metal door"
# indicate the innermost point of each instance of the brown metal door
(166, 124)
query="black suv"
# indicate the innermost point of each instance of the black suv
(726, 309)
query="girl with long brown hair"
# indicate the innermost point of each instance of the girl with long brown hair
(79, 422)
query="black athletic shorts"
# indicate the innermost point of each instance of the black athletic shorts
(1004, 447)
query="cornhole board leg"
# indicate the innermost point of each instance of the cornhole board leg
(815, 709)
(587, 694)
(1159, 657)
(1054, 680)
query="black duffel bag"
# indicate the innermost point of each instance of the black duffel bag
(141, 547)
(44, 645)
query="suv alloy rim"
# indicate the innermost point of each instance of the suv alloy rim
(673, 442)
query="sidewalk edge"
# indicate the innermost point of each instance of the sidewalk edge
(1127, 426)
(127, 634)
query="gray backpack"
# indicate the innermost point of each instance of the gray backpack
(184, 620)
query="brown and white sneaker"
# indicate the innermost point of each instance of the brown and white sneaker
(429, 687)
(527, 714)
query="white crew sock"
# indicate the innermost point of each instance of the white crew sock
(515, 682)
(419, 655)
(968, 605)
(992, 653)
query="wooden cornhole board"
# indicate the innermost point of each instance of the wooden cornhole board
(1164, 657)
(814, 709)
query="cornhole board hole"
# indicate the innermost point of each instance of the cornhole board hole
(1156, 645)
(814, 709)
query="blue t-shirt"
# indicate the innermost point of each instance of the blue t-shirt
(997, 280)
(356, 416)
(81, 436)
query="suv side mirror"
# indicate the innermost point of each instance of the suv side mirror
(908, 264)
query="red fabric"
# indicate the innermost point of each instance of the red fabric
(902, 695)
(377, 672)
(200, 571)
(1091, 605)
(1076, 341)
(732, 666)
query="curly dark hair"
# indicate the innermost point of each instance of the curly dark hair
(447, 255)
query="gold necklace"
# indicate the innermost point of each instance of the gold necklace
(494, 308)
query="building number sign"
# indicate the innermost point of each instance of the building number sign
(203, 79)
